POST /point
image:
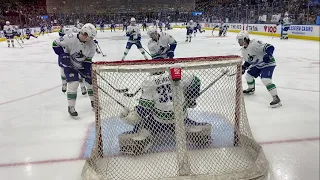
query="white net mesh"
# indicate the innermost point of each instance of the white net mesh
(195, 128)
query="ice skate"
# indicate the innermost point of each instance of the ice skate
(83, 90)
(64, 88)
(72, 111)
(276, 102)
(249, 91)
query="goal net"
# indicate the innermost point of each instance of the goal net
(192, 126)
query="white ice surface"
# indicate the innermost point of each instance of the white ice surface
(38, 140)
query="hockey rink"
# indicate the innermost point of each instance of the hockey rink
(40, 141)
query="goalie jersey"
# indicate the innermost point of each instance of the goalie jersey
(157, 101)
(254, 53)
(79, 51)
(159, 49)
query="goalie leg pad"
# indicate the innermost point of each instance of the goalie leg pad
(135, 143)
(198, 134)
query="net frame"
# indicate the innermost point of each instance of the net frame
(184, 63)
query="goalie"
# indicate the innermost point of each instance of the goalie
(154, 114)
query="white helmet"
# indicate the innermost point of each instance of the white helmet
(133, 19)
(242, 35)
(153, 33)
(191, 21)
(7, 23)
(89, 29)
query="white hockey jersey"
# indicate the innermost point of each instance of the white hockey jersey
(286, 22)
(133, 30)
(8, 29)
(158, 49)
(78, 50)
(254, 53)
(157, 96)
(190, 25)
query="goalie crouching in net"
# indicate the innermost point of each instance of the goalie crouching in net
(154, 114)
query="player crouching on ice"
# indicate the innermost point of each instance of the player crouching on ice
(259, 61)
(75, 53)
(133, 32)
(154, 115)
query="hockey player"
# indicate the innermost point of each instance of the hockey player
(160, 26)
(101, 26)
(49, 28)
(113, 26)
(161, 45)
(74, 30)
(285, 25)
(144, 25)
(189, 28)
(223, 29)
(125, 26)
(198, 27)
(167, 26)
(18, 33)
(42, 29)
(215, 26)
(75, 53)
(29, 34)
(62, 31)
(134, 35)
(8, 31)
(153, 117)
(259, 61)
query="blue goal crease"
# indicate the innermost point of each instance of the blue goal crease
(222, 133)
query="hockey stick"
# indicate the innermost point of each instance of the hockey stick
(101, 51)
(118, 102)
(132, 94)
(18, 43)
(205, 89)
(214, 81)
(112, 97)
(118, 90)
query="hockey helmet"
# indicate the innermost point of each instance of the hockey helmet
(152, 32)
(7, 23)
(242, 37)
(89, 30)
(191, 21)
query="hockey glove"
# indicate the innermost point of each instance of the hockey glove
(170, 54)
(245, 66)
(64, 60)
(268, 53)
(87, 69)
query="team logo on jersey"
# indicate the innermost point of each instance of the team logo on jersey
(79, 55)
(252, 59)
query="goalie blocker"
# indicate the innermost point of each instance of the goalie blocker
(154, 114)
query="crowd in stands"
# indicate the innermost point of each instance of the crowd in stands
(31, 12)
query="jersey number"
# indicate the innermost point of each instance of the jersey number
(165, 93)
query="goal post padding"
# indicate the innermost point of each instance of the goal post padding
(230, 151)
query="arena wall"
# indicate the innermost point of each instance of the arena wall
(305, 32)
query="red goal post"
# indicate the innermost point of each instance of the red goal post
(221, 105)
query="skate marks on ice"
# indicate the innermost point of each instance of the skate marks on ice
(222, 134)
